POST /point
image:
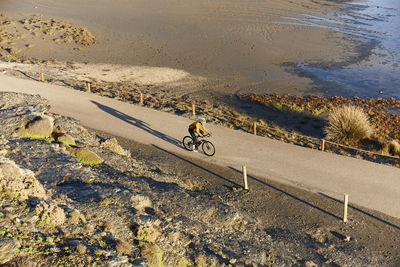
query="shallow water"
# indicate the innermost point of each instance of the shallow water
(378, 75)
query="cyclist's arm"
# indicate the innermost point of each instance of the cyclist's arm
(204, 128)
(198, 129)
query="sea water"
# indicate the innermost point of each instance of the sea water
(378, 73)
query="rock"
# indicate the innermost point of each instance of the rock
(81, 248)
(112, 145)
(39, 128)
(200, 260)
(148, 232)
(123, 247)
(19, 182)
(85, 156)
(310, 264)
(119, 261)
(50, 213)
(75, 217)
(8, 249)
(12, 50)
(57, 129)
(152, 253)
(140, 262)
(140, 202)
(84, 131)
(3, 152)
(66, 139)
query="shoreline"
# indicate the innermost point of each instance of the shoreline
(231, 51)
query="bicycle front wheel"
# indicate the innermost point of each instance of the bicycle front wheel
(208, 148)
(188, 143)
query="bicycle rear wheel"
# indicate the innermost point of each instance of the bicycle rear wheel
(187, 143)
(208, 148)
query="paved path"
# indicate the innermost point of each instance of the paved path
(368, 184)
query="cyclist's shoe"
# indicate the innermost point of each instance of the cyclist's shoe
(193, 147)
(195, 150)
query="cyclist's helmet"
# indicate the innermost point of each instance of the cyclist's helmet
(202, 120)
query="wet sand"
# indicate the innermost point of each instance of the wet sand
(239, 46)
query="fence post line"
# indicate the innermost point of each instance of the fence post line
(141, 99)
(322, 144)
(88, 87)
(42, 77)
(244, 170)
(193, 109)
(346, 202)
(255, 128)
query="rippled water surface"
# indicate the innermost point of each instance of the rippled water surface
(377, 75)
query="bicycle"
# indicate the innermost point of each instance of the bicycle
(207, 147)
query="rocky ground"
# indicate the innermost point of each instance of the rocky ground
(71, 196)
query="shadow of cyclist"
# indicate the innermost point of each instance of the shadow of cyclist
(138, 123)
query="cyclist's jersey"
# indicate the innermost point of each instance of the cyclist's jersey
(196, 126)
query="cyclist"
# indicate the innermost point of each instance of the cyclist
(195, 131)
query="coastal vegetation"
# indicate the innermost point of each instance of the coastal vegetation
(348, 124)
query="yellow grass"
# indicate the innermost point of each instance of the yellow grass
(348, 124)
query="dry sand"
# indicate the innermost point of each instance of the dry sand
(234, 44)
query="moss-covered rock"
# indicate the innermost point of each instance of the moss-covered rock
(66, 139)
(85, 156)
(112, 145)
(39, 128)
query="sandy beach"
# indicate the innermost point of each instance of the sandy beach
(246, 46)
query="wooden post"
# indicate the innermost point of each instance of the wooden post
(246, 187)
(42, 77)
(255, 128)
(141, 99)
(193, 109)
(88, 87)
(322, 144)
(346, 202)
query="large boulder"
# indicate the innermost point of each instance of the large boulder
(19, 182)
(39, 128)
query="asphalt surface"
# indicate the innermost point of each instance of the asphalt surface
(368, 184)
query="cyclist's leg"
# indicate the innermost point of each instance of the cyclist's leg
(194, 137)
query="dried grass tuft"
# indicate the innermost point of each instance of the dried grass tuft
(348, 124)
(394, 148)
